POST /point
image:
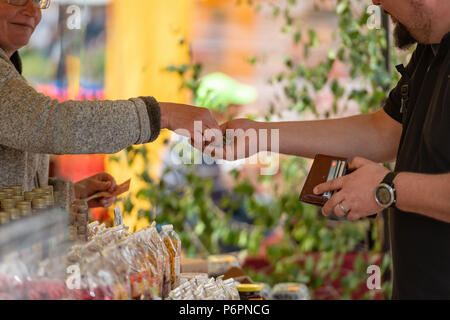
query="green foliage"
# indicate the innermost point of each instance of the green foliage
(312, 248)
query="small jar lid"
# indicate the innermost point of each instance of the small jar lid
(249, 287)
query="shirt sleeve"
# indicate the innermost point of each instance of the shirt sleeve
(33, 122)
(393, 102)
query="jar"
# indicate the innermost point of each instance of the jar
(4, 195)
(8, 203)
(290, 291)
(4, 217)
(250, 291)
(29, 195)
(48, 199)
(17, 190)
(38, 191)
(47, 189)
(24, 208)
(38, 204)
(14, 213)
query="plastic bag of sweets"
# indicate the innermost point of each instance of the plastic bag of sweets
(126, 255)
(14, 276)
(99, 282)
(134, 254)
(155, 239)
(150, 264)
(151, 259)
(229, 288)
(114, 261)
(173, 245)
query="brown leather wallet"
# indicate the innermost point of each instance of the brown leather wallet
(319, 174)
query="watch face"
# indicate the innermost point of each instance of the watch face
(383, 195)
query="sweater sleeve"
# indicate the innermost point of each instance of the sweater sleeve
(33, 122)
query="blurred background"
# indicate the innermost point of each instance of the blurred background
(289, 60)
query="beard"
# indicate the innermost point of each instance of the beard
(403, 38)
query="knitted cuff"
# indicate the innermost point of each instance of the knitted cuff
(154, 116)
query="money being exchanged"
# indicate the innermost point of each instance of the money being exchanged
(124, 187)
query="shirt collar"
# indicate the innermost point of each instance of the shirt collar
(442, 47)
(435, 48)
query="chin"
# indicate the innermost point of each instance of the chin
(21, 42)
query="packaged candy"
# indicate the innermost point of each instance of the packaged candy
(173, 245)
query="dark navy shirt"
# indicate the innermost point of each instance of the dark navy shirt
(421, 102)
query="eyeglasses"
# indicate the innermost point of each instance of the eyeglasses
(41, 4)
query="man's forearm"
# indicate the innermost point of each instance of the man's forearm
(424, 194)
(370, 136)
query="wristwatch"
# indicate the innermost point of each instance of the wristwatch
(385, 194)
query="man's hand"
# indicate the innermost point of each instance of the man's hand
(96, 183)
(242, 145)
(356, 190)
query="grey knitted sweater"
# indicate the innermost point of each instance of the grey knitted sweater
(33, 125)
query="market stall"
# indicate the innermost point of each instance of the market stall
(49, 252)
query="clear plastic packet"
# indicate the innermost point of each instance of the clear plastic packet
(230, 290)
(198, 277)
(220, 264)
(152, 260)
(112, 235)
(13, 276)
(173, 245)
(233, 292)
(290, 291)
(79, 217)
(92, 229)
(155, 239)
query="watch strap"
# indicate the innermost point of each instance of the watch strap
(389, 180)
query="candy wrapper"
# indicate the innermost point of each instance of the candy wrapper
(197, 287)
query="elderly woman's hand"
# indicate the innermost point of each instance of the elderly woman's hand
(187, 120)
(96, 183)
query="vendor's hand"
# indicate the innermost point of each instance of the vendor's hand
(356, 190)
(241, 146)
(180, 118)
(96, 183)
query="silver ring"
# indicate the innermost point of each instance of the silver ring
(343, 209)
